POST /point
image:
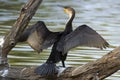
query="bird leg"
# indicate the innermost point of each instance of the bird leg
(63, 58)
(63, 63)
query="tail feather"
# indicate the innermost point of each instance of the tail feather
(47, 69)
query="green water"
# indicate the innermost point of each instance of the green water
(103, 16)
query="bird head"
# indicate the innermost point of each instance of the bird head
(70, 11)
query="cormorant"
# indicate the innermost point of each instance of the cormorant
(39, 38)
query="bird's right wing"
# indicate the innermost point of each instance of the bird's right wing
(83, 36)
(38, 36)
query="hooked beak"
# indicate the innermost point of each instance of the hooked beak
(64, 7)
(61, 6)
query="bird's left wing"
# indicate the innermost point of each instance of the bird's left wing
(84, 36)
(38, 36)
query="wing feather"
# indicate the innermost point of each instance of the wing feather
(39, 37)
(84, 36)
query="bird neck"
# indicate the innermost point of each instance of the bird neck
(69, 23)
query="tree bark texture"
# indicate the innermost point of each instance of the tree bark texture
(27, 12)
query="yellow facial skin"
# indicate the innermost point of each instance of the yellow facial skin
(68, 11)
(65, 10)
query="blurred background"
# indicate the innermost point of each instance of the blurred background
(103, 16)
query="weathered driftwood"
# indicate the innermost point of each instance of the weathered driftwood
(96, 70)
(27, 12)
(10, 40)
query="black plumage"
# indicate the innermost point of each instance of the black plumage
(39, 38)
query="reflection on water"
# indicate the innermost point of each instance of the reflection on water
(103, 17)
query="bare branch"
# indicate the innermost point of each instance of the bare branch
(27, 12)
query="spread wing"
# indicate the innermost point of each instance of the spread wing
(38, 36)
(84, 36)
